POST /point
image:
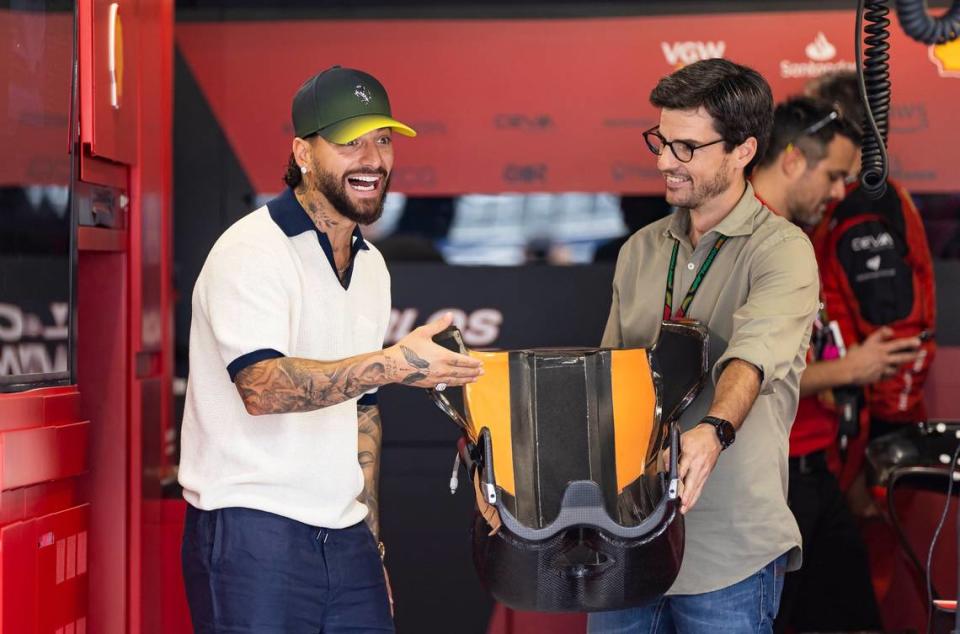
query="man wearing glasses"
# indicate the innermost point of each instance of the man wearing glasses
(724, 259)
(812, 152)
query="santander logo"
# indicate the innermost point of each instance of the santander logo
(820, 59)
(820, 49)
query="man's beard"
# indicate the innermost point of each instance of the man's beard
(363, 213)
(806, 217)
(705, 191)
(802, 210)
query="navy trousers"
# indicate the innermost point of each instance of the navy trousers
(252, 571)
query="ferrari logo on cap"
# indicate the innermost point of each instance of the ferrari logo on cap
(362, 93)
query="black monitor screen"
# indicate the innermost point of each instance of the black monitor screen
(36, 62)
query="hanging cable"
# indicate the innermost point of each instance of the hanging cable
(918, 24)
(873, 74)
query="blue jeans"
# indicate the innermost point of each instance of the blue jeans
(252, 571)
(747, 606)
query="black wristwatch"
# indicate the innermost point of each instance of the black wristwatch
(726, 434)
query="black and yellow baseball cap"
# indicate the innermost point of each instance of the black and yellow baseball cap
(341, 104)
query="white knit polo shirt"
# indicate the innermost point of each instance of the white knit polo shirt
(269, 289)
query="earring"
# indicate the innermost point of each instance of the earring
(303, 169)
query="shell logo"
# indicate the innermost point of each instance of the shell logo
(115, 54)
(947, 58)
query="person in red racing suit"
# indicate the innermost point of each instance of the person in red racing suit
(812, 151)
(877, 272)
(877, 277)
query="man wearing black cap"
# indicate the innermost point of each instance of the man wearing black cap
(281, 431)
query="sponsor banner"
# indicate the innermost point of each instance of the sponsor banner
(552, 105)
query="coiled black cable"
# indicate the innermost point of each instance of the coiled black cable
(873, 72)
(920, 26)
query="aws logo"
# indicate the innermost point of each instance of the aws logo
(680, 54)
(946, 57)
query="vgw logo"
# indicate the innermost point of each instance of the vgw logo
(680, 54)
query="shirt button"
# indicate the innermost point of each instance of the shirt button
(691, 265)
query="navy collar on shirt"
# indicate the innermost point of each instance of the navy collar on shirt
(293, 220)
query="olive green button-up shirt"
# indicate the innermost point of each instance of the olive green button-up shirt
(758, 301)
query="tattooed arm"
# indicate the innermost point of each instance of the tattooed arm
(290, 384)
(368, 453)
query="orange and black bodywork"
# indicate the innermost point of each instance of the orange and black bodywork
(567, 446)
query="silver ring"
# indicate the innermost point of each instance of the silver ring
(440, 387)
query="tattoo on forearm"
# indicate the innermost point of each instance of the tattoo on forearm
(369, 440)
(288, 384)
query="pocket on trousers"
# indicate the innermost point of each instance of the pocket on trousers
(216, 539)
(774, 574)
(202, 539)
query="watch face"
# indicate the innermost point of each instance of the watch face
(727, 433)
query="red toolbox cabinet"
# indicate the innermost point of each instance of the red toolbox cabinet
(43, 521)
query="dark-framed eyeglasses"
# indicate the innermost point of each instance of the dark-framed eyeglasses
(681, 149)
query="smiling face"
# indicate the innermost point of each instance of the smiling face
(710, 172)
(354, 177)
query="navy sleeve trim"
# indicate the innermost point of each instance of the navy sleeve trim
(368, 400)
(249, 359)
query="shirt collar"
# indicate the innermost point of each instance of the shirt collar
(741, 221)
(293, 219)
